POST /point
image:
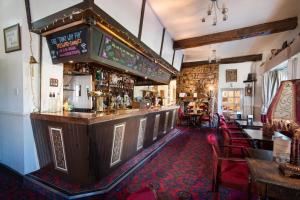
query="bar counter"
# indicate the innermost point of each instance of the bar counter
(85, 147)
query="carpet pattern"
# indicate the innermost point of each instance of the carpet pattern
(11, 187)
(181, 170)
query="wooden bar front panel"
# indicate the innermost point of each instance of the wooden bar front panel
(88, 147)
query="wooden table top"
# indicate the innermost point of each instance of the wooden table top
(268, 172)
(92, 118)
(195, 114)
(243, 123)
(258, 135)
(259, 154)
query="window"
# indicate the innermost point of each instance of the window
(231, 100)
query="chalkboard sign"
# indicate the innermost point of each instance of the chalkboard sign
(117, 52)
(69, 44)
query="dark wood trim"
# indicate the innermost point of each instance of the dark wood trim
(33, 179)
(40, 66)
(39, 25)
(238, 34)
(118, 28)
(181, 61)
(28, 14)
(162, 42)
(48, 24)
(173, 56)
(239, 59)
(142, 19)
(89, 2)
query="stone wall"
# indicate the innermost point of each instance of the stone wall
(199, 80)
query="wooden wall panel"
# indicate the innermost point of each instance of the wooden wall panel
(88, 148)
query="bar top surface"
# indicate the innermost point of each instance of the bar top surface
(92, 118)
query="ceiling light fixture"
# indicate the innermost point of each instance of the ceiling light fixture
(213, 10)
(213, 58)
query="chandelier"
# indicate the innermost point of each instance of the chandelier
(213, 9)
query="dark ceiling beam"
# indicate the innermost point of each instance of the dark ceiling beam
(238, 34)
(239, 59)
(142, 19)
(28, 14)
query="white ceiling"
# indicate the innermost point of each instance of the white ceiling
(182, 19)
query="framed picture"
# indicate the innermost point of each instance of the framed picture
(53, 82)
(12, 38)
(231, 75)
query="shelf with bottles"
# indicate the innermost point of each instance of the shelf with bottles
(75, 73)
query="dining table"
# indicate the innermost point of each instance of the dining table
(244, 124)
(260, 154)
(270, 181)
(193, 118)
(259, 139)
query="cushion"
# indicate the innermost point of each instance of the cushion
(235, 174)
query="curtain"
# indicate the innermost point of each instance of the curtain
(282, 75)
(270, 83)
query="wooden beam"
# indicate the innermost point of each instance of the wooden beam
(28, 14)
(162, 42)
(239, 59)
(238, 34)
(142, 19)
(173, 57)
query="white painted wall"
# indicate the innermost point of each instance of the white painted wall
(178, 59)
(44, 8)
(152, 30)
(294, 67)
(50, 71)
(167, 52)
(242, 72)
(127, 13)
(17, 148)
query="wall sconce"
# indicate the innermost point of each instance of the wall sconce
(211, 91)
(32, 60)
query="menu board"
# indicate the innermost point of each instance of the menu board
(69, 44)
(117, 52)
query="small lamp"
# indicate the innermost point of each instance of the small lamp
(32, 60)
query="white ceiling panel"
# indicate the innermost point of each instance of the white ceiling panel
(182, 19)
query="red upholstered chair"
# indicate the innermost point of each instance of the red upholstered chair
(143, 194)
(236, 139)
(205, 118)
(227, 170)
(182, 118)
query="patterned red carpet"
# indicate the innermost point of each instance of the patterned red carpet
(181, 170)
(11, 187)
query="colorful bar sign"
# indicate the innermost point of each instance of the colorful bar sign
(69, 44)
